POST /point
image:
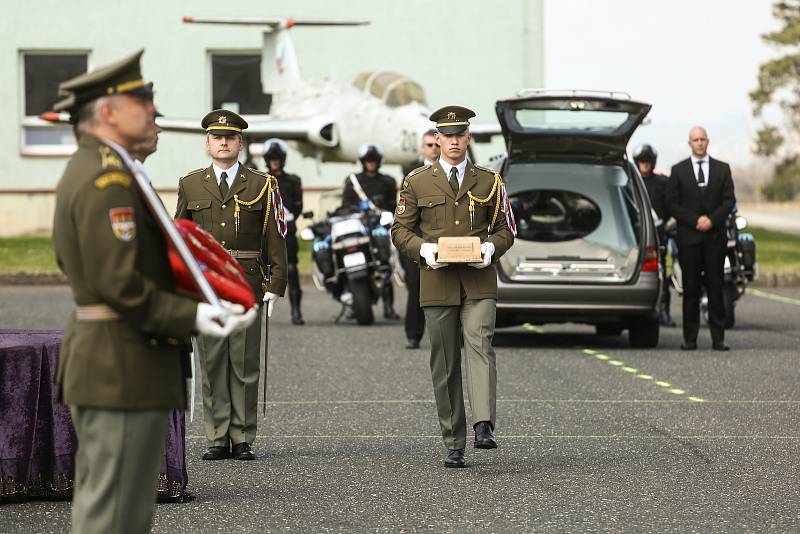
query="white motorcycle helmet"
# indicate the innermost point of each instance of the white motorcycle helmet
(370, 152)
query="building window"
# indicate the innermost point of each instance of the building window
(42, 72)
(236, 83)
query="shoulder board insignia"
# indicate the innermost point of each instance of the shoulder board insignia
(193, 172)
(113, 178)
(487, 169)
(109, 159)
(418, 170)
(259, 172)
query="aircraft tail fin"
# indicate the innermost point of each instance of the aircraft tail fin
(279, 66)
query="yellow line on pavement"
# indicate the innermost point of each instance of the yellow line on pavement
(619, 364)
(533, 328)
(773, 296)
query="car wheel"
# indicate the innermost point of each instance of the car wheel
(608, 329)
(643, 332)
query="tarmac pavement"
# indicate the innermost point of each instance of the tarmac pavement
(594, 436)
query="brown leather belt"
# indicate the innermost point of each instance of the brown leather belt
(245, 254)
(96, 312)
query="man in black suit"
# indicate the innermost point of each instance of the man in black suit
(700, 197)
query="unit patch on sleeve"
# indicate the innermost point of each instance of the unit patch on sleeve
(401, 205)
(123, 223)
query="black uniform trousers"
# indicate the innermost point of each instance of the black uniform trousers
(291, 257)
(415, 317)
(703, 264)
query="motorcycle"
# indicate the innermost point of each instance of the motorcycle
(740, 267)
(352, 258)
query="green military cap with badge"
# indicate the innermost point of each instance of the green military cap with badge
(121, 77)
(452, 119)
(223, 122)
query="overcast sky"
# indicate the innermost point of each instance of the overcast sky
(694, 60)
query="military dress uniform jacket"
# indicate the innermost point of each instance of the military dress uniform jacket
(381, 189)
(200, 200)
(427, 203)
(114, 253)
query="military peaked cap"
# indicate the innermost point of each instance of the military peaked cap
(223, 122)
(121, 77)
(452, 119)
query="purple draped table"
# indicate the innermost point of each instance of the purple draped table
(37, 439)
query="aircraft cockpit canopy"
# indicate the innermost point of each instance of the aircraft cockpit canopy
(394, 89)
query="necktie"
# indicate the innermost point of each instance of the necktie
(701, 178)
(223, 184)
(454, 179)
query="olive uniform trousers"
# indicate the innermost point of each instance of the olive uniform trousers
(116, 469)
(230, 385)
(474, 319)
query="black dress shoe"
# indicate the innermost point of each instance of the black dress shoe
(689, 345)
(242, 451)
(484, 437)
(455, 458)
(216, 453)
(666, 320)
(389, 313)
(720, 346)
(412, 343)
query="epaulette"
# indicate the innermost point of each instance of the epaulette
(415, 172)
(487, 169)
(259, 172)
(192, 172)
(271, 179)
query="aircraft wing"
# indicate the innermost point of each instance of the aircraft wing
(319, 130)
(483, 133)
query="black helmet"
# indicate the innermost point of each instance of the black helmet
(370, 152)
(274, 149)
(645, 153)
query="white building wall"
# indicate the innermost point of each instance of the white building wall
(467, 53)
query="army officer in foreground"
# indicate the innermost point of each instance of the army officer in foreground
(457, 299)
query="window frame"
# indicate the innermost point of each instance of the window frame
(34, 122)
(210, 53)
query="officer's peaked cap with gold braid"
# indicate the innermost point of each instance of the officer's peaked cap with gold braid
(121, 77)
(452, 119)
(223, 122)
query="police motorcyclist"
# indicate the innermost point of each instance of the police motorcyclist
(292, 193)
(645, 157)
(381, 190)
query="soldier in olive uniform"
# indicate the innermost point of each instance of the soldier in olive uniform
(243, 210)
(292, 192)
(381, 190)
(454, 198)
(124, 357)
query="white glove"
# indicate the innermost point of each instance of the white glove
(487, 251)
(428, 251)
(222, 320)
(241, 319)
(270, 299)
